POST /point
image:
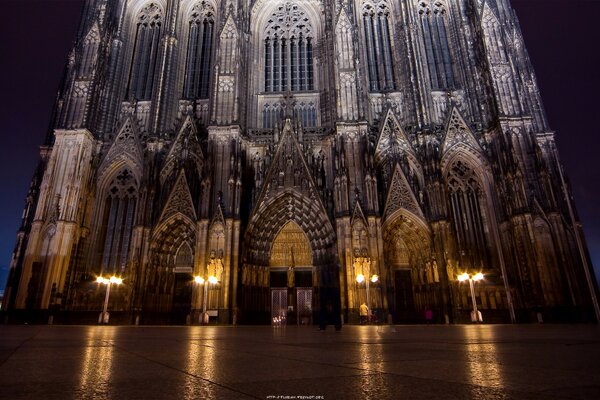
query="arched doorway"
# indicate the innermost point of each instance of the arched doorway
(291, 277)
(167, 282)
(182, 286)
(290, 220)
(414, 273)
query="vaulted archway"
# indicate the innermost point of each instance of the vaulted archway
(290, 244)
(412, 271)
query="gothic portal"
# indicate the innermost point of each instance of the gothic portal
(307, 156)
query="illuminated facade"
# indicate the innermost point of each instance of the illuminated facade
(307, 154)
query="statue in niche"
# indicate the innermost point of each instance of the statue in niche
(436, 274)
(290, 272)
(450, 270)
(428, 272)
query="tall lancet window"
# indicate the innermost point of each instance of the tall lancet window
(145, 52)
(434, 20)
(118, 219)
(378, 37)
(288, 48)
(199, 51)
(469, 212)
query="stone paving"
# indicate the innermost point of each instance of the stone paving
(360, 362)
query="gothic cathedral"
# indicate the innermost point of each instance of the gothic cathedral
(287, 161)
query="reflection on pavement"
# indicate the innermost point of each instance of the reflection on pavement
(483, 362)
(96, 365)
(200, 366)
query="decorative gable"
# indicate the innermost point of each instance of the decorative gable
(392, 142)
(288, 169)
(458, 133)
(186, 146)
(125, 148)
(229, 29)
(401, 196)
(180, 200)
(358, 215)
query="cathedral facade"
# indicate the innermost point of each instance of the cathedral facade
(308, 156)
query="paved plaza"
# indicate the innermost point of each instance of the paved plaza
(360, 362)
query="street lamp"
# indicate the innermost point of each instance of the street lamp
(363, 262)
(475, 314)
(201, 281)
(103, 318)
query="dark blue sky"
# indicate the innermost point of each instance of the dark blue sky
(562, 37)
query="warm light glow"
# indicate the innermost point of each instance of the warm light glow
(360, 278)
(119, 281)
(212, 280)
(100, 279)
(199, 280)
(463, 277)
(374, 278)
(478, 277)
(114, 279)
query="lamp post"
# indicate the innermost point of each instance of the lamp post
(103, 318)
(475, 314)
(201, 281)
(363, 261)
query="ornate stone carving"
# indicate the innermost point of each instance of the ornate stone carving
(126, 148)
(180, 200)
(400, 196)
(185, 146)
(393, 142)
(288, 20)
(458, 132)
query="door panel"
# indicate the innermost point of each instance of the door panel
(405, 303)
(278, 306)
(304, 298)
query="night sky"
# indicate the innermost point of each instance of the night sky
(561, 35)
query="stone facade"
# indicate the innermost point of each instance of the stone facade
(288, 148)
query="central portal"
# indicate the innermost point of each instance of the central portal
(291, 277)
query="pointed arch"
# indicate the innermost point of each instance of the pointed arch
(170, 233)
(471, 210)
(117, 207)
(434, 25)
(126, 150)
(393, 144)
(458, 132)
(291, 247)
(288, 39)
(186, 146)
(184, 258)
(378, 34)
(199, 59)
(180, 200)
(358, 216)
(400, 196)
(290, 205)
(411, 228)
(146, 44)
